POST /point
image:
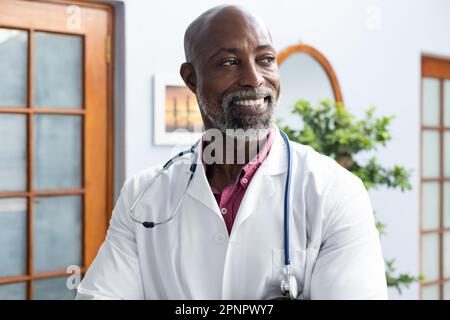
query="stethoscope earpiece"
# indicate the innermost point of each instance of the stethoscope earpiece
(148, 224)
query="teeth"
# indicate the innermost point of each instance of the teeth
(248, 103)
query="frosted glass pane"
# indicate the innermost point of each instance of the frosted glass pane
(430, 154)
(13, 291)
(13, 152)
(57, 145)
(430, 101)
(57, 233)
(447, 255)
(430, 205)
(52, 289)
(13, 68)
(13, 237)
(447, 154)
(58, 70)
(447, 103)
(447, 204)
(447, 291)
(430, 292)
(430, 256)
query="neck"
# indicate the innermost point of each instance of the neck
(231, 155)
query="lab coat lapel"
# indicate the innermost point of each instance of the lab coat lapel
(200, 189)
(261, 188)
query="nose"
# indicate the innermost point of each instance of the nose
(250, 76)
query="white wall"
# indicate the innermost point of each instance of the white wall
(374, 67)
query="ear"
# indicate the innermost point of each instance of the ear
(279, 94)
(187, 72)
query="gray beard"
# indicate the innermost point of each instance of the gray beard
(236, 125)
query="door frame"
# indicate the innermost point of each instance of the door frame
(438, 67)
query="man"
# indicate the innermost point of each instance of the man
(225, 240)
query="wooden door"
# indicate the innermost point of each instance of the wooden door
(435, 178)
(55, 142)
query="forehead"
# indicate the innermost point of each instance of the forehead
(231, 31)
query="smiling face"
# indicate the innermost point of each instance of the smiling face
(231, 67)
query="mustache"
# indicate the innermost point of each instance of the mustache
(254, 93)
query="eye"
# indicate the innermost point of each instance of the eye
(268, 59)
(229, 62)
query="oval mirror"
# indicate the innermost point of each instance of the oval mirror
(304, 74)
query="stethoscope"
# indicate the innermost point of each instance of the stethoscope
(289, 282)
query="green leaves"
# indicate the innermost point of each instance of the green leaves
(373, 174)
(401, 280)
(335, 132)
(331, 130)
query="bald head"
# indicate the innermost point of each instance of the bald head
(218, 22)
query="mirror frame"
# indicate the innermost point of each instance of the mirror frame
(320, 58)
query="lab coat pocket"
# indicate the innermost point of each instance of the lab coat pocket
(298, 264)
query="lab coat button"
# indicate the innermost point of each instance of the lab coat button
(219, 238)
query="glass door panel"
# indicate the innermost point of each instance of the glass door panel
(13, 68)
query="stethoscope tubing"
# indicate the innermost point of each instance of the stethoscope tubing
(287, 192)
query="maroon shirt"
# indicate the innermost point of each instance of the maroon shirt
(231, 196)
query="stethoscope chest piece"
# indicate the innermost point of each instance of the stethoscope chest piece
(289, 286)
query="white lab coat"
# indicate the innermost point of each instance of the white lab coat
(334, 245)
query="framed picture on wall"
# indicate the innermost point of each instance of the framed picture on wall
(177, 119)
